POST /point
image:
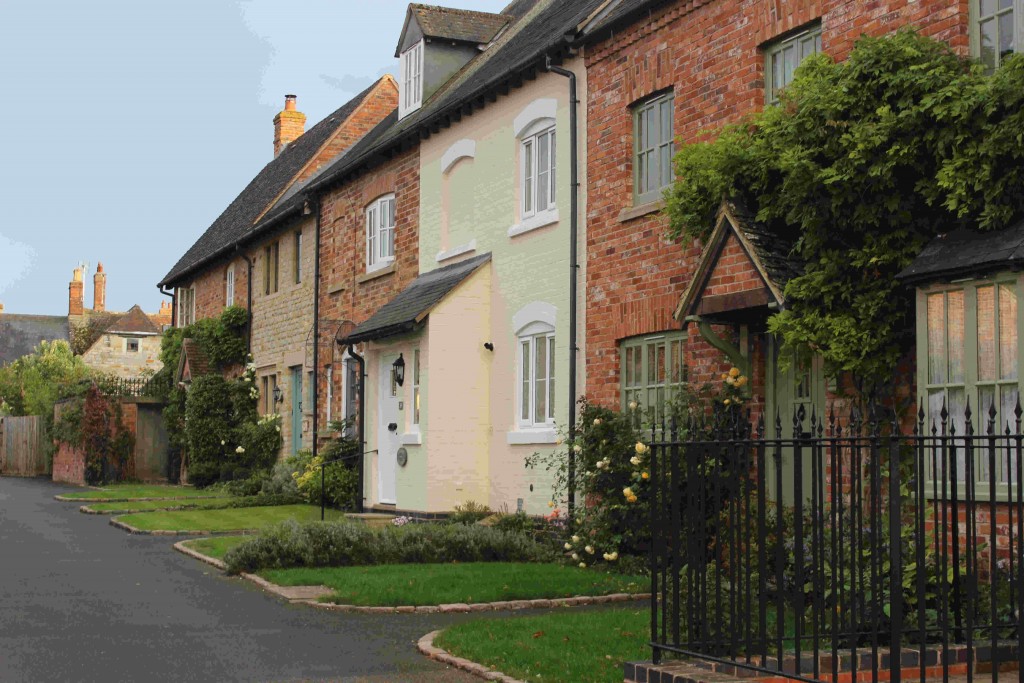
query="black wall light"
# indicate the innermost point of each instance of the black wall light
(399, 366)
(489, 346)
(278, 395)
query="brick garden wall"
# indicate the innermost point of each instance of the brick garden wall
(710, 54)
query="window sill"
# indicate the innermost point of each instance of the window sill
(535, 222)
(532, 436)
(336, 288)
(412, 439)
(631, 212)
(466, 248)
(376, 273)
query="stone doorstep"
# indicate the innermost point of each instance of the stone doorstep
(426, 647)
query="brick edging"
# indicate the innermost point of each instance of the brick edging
(426, 646)
(195, 554)
(85, 509)
(539, 603)
(115, 522)
(66, 499)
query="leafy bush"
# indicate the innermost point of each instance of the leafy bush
(469, 512)
(518, 522)
(339, 544)
(281, 479)
(340, 480)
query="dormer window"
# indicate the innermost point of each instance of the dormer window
(410, 95)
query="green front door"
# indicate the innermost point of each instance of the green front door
(788, 392)
(296, 389)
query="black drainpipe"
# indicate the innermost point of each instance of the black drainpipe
(361, 433)
(248, 282)
(574, 267)
(174, 303)
(314, 205)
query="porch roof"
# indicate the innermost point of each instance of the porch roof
(768, 253)
(963, 252)
(415, 302)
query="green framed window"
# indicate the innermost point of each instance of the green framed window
(968, 349)
(651, 371)
(996, 30)
(782, 57)
(653, 147)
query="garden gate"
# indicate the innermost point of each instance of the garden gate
(23, 447)
(890, 543)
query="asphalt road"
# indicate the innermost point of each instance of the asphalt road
(83, 601)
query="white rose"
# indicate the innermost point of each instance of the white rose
(589, 549)
(575, 557)
(568, 546)
(575, 539)
(583, 565)
(239, 450)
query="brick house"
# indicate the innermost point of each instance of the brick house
(384, 304)
(659, 73)
(260, 254)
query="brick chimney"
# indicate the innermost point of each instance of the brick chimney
(289, 125)
(1, 309)
(99, 289)
(76, 297)
(164, 316)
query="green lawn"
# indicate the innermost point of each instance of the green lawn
(231, 519)
(217, 547)
(132, 491)
(435, 584)
(128, 505)
(582, 646)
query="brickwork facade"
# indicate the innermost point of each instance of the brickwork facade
(711, 55)
(347, 291)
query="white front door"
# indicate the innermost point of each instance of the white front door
(388, 435)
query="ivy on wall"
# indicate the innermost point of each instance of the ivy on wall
(861, 163)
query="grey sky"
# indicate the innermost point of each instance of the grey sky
(130, 125)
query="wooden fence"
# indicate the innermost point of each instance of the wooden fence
(23, 447)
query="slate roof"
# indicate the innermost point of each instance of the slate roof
(239, 217)
(198, 363)
(20, 334)
(540, 30)
(965, 252)
(774, 251)
(135, 321)
(769, 253)
(415, 301)
(462, 25)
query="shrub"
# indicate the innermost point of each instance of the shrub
(340, 480)
(340, 544)
(518, 522)
(281, 479)
(469, 512)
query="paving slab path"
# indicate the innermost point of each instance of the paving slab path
(80, 601)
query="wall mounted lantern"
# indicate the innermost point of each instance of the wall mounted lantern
(399, 366)
(278, 395)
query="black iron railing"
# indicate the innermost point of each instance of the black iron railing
(153, 387)
(848, 549)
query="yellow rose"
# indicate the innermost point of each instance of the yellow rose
(645, 476)
(734, 372)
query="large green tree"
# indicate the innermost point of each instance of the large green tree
(860, 164)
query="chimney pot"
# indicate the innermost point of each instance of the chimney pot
(76, 294)
(99, 289)
(289, 102)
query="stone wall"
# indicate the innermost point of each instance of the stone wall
(110, 355)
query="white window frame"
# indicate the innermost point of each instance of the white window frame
(1013, 15)
(229, 287)
(380, 237)
(330, 392)
(531, 169)
(128, 347)
(410, 76)
(529, 338)
(186, 301)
